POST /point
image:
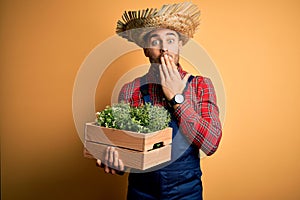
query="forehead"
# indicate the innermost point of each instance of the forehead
(162, 33)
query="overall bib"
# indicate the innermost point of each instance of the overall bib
(179, 178)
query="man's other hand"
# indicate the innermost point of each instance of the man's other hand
(112, 163)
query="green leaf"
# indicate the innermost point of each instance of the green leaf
(144, 119)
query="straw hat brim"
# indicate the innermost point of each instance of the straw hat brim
(182, 18)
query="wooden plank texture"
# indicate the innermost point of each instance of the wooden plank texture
(127, 139)
(132, 159)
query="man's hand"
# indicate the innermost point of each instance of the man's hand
(171, 81)
(112, 164)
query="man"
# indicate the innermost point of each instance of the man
(190, 100)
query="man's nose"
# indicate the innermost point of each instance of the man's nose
(162, 50)
(163, 47)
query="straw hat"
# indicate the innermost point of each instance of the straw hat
(182, 18)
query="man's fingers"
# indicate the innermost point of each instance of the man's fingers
(106, 156)
(168, 66)
(113, 171)
(121, 165)
(116, 160)
(162, 60)
(164, 67)
(106, 169)
(112, 164)
(174, 68)
(98, 163)
(162, 75)
(111, 156)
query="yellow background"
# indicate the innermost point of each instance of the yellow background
(255, 45)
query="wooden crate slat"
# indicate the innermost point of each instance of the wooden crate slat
(127, 139)
(131, 158)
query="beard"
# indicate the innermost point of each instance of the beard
(157, 60)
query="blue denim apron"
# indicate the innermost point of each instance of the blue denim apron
(179, 178)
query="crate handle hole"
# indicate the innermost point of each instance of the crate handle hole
(158, 145)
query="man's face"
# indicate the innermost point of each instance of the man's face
(160, 42)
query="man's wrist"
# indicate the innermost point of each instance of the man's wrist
(176, 106)
(176, 100)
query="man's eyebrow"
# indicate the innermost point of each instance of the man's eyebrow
(171, 34)
(156, 35)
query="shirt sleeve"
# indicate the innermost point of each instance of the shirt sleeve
(198, 116)
(122, 94)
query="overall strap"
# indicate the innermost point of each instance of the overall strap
(144, 90)
(189, 79)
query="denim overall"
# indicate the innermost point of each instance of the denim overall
(179, 178)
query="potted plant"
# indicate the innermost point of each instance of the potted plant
(141, 134)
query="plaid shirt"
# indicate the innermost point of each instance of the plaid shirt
(197, 116)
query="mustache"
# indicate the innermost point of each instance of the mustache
(165, 52)
(158, 59)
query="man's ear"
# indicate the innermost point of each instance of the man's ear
(180, 45)
(146, 52)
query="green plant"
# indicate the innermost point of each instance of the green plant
(143, 119)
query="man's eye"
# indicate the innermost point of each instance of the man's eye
(155, 42)
(170, 41)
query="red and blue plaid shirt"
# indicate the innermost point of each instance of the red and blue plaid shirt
(197, 116)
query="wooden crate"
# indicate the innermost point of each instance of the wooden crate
(137, 150)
